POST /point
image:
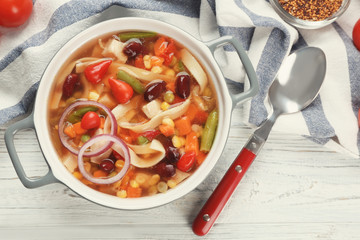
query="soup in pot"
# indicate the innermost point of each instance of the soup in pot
(132, 114)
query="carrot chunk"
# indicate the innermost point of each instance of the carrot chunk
(192, 143)
(78, 129)
(69, 130)
(183, 125)
(167, 130)
(133, 192)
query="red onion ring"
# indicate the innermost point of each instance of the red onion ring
(114, 140)
(62, 136)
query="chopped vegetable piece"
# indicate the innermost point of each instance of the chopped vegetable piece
(200, 158)
(183, 125)
(169, 96)
(85, 138)
(100, 174)
(78, 129)
(134, 192)
(151, 134)
(95, 72)
(139, 62)
(209, 131)
(134, 83)
(167, 130)
(122, 91)
(126, 36)
(141, 140)
(186, 162)
(69, 131)
(192, 143)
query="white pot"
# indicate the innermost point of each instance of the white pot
(39, 118)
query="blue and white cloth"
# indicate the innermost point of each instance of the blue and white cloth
(331, 120)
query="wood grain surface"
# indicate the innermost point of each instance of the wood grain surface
(295, 189)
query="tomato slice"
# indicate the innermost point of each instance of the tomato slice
(122, 91)
(90, 120)
(95, 72)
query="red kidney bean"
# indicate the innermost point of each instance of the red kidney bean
(107, 165)
(182, 85)
(133, 48)
(165, 169)
(154, 90)
(71, 81)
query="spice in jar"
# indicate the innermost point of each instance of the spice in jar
(313, 10)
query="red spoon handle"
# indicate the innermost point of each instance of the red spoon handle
(218, 199)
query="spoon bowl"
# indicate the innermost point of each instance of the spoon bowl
(298, 81)
(297, 84)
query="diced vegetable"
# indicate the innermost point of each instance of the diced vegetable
(141, 140)
(183, 125)
(192, 143)
(78, 129)
(126, 36)
(167, 130)
(85, 138)
(209, 131)
(69, 131)
(152, 108)
(134, 83)
(114, 49)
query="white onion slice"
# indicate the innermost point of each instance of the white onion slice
(113, 140)
(62, 136)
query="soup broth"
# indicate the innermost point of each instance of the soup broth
(132, 114)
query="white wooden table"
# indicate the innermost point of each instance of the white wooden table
(295, 189)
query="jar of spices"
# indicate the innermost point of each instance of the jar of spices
(310, 14)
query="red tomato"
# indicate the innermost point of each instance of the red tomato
(356, 35)
(165, 49)
(90, 120)
(14, 13)
(122, 91)
(95, 72)
(186, 162)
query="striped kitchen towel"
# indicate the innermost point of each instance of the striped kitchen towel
(331, 120)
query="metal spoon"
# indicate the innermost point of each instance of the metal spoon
(295, 87)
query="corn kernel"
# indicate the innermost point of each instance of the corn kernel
(56, 127)
(152, 190)
(182, 140)
(176, 141)
(156, 69)
(141, 178)
(171, 183)
(78, 175)
(168, 121)
(121, 194)
(94, 96)
(170, 72)
(147, 61)
(162, 187)
(119, 164)
(134, 184)
(154, 179)
(164, 106)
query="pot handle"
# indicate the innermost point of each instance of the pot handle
(10, 132)
(254, 85)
